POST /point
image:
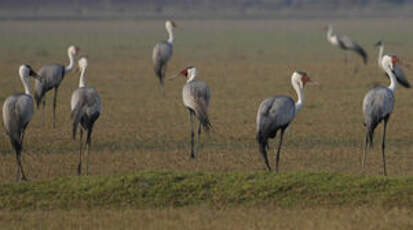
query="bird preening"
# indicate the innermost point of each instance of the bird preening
(276, 113)
(86, 108)
(379, 102)
(51, 76)
(161, 54)
(18, 110)
(345, 43)
(196, 96)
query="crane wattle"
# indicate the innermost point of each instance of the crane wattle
(395, 60)
(305, 78)
(185, 72)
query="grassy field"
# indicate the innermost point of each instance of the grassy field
(243, 62)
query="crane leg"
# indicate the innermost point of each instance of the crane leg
(20, 173)
(191, 118)
(277, 157)
(79, 166)
(366, 145)
(161, 79)
(383, 143)
(198, 137)
(88, 143)
(54, 107)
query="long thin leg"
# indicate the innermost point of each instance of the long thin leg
(366, 145)
(191, 118)
(266, 160)
(345, 58)
(277, 158)
(88, 143)
(383, 143)
(79, 166)
(20, 167)
(54, 107)
(163, 72)
(44, 111)
(198, 137)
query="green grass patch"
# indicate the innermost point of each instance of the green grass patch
(174, 189)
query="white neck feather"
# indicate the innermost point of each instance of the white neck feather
(171, 34)
(381, 50)
(330, 37)
(82, 81)
(393, 80)
(26, 85)
(300, 95)
(71, 62)
(191, 77)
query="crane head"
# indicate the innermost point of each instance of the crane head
(304, 77)
(379, 43)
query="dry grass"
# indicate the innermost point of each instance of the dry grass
(205, 217)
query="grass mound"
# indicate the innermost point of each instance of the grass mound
(160, 189)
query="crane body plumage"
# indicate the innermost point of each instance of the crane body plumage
(51, 76)
(195, 96)
(18, 110)
(276, 113)
(346, 43)
(378, 106)
(162, 53)
(86, 107)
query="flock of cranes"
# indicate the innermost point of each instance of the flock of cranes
(274, 113)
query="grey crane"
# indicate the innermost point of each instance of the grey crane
(51, 75)
(196, 96)
(378, 105)
(86, 108)
(162, 52)
(18, 110)
(345, 43)
(276, 113)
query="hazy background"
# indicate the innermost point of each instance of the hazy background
(111, 9)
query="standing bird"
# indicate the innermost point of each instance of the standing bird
(397, 70)
(18, 110)
(162, 52)
(277, 113)
(345, 43)
(86, 107)
(51, 75)
(195, 95)
(378, 105)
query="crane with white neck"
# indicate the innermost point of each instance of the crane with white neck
(51, 76)
(397, 70)
(162, 53)
(378, 106)
(345, 43)
(86, 108)
(196, 96)
(18, 110)
(276, 113)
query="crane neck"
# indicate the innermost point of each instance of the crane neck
(26, 85)
(380, 58)
(69, 67)
(82, 81)
(393, 80)
(191, 78)
(330, 36)
(300, 94)
(171, 35)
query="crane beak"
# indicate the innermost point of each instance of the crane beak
(34, 74)
(173, 77)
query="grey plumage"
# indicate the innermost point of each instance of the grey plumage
(86, 108)
(18, 110)
(161, 54)
(274, 114)
(347, 44)
(51, 76)
(377, 107)
(196, 98)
